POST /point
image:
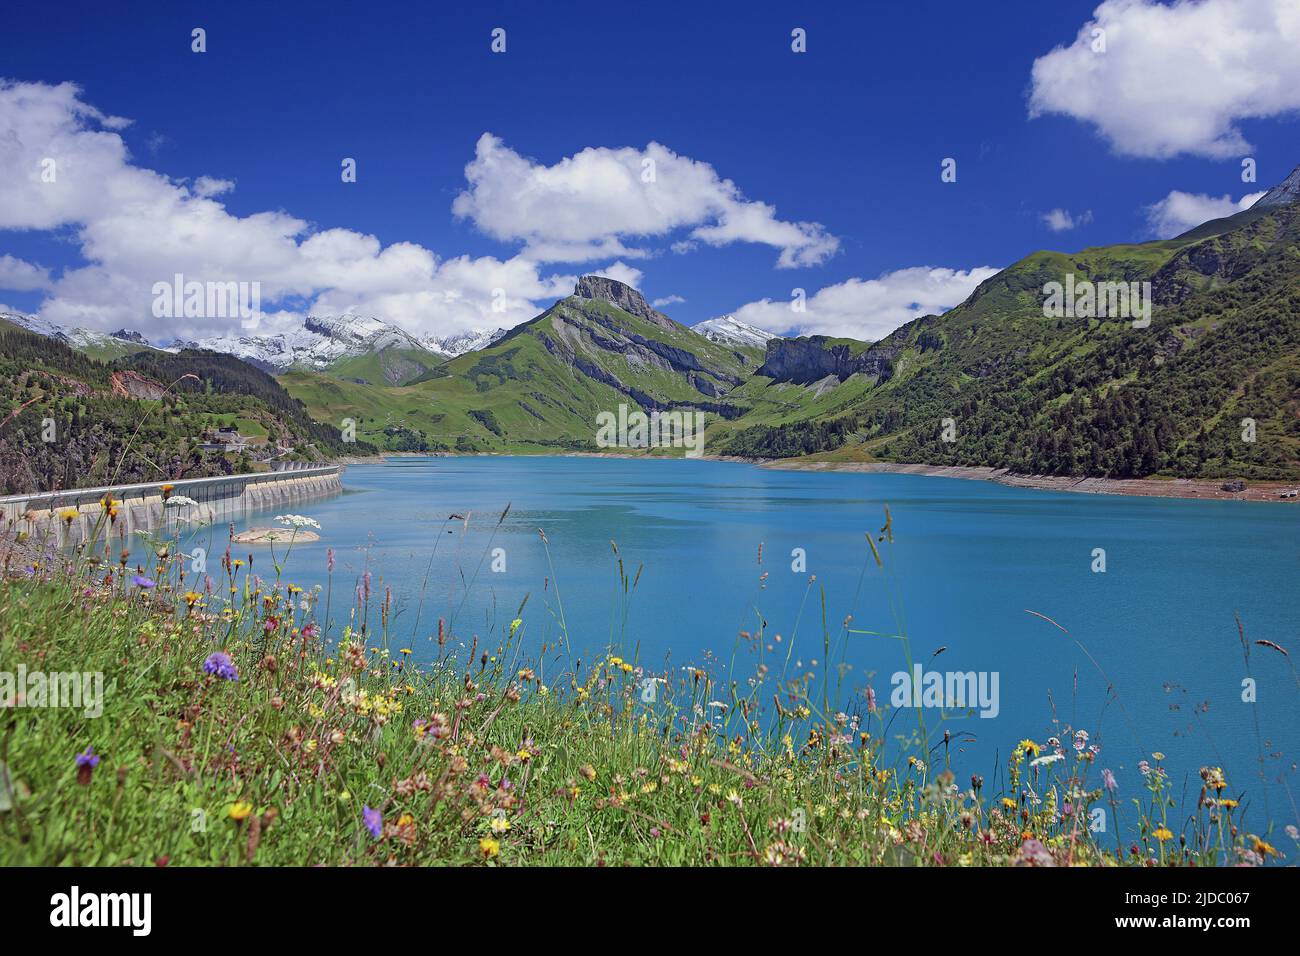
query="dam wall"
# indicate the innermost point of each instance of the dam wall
(140, 507)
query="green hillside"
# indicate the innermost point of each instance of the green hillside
(542, 386)
(70, 420)
(1079, 396)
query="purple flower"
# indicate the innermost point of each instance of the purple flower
(374, 821)
(86, 763)
(329, 559)
(141, 581)
(219, 663)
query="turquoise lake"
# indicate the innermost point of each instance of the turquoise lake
(969, 559)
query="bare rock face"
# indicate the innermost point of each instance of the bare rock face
(129, 384)
(1284, 193)
(622, 295)
(804, 361)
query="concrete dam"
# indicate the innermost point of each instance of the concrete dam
(140, 507)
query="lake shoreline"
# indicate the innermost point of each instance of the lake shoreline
(1194, 489)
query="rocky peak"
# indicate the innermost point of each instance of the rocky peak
(130, 335)
(1284, 193)
(622, 295)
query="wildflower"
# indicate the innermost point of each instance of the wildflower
(1033, 853)
(489, 847)
(180, 501)
(1045, 759)
(239, 810)
(191, 598)
(69, 515)
(374, 821)
(298, 521)
(167, 491)
(220, 663)
(500, 824)
(781, 853)
(589, 772)
(1263, 848)
(141, 581)
(87, 761)
(1108, 781)
(1029, 747)
(1163, 833)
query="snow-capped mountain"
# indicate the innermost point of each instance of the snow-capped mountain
(472, 341)
(318, 343)
(729, 330)
(324, 341)
(84, 340)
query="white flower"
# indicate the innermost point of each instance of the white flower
(180, 501)
(1046, 759)
(297, 521)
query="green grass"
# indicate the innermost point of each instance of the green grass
(503, 749)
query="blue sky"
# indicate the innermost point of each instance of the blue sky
(835, 154)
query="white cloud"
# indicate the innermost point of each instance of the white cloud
(19, 275)
(1060, 220)
(1180, 211)
(603, 202)
(208, 186)
(136, 227)
(667, 300)
(1176, 78)
(869, 308)
(621, 272)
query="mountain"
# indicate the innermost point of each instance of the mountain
(96, 344)
(1202, 378)
(71, 420)
(1283, 194)
(1022, 387)
(1068, 394)
(366, 349)
(460, 343)
(543, 384)
(729, 330)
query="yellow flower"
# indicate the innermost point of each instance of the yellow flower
(68, 515)
(1029, 747)
(489, 847)
(1008, 803)
(1263, 848)
(1163, 833)
(405, 820)
(500, 824)
(239, 810)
